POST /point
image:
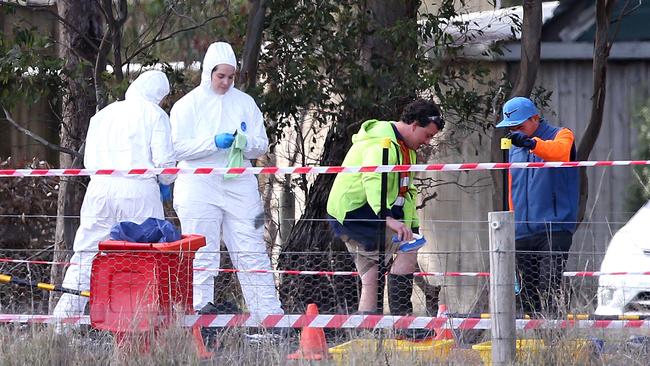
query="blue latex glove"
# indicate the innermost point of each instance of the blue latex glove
(165, 192)
(224, 140)
(520, 139)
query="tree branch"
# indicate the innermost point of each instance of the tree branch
(100, 65)
(423, 184)
(39, 138)
(172, 34)
(145, 33)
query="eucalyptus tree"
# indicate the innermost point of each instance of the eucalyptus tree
(333, 64)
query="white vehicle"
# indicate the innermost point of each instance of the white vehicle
(629, 251)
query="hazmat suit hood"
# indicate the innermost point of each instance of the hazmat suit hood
(217, 54)
(151, 86)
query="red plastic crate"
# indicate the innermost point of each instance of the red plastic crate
(135, 285)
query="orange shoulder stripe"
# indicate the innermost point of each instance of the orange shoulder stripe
(558, 149)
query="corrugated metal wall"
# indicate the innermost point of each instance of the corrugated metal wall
(627, 88)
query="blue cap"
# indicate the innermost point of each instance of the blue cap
(516, 111)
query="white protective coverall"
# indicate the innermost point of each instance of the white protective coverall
(210, 205)
(134, 133)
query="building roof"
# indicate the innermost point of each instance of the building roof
(493, 25)
(567, 33)
(575, 21)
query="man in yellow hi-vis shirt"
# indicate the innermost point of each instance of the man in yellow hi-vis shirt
(354, 202)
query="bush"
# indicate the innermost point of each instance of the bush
(27, 227)
(28, 210)
(639, 190)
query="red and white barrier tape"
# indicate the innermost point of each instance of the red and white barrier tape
(396, 322)
(10, 260)
(344, 273)
(334, 321)
(315, 169)
(43, 319)
(353, 273)
(350, 322)
(275, 271)
(597, 273)
(280, 271)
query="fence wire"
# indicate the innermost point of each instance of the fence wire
(452, 269)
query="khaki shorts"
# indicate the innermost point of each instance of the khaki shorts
(363, 259)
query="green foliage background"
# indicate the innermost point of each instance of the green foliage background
(29, 67)
(639, 190)
(310, 63)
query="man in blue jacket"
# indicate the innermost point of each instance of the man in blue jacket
(545, 202)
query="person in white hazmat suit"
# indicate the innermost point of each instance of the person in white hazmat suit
(207, 123)
(133, 133)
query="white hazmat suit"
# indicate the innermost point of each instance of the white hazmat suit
(212, 206)
(134, 133)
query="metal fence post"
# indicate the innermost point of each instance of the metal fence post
(502, 284)
(381, 235)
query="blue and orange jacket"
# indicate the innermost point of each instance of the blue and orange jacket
(545, 199)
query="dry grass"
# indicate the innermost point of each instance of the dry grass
(38, 345)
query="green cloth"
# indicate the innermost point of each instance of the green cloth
(236, 157)
(353, 190)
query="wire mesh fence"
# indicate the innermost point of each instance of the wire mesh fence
(557, 291)
(136, 288)
(456, 277)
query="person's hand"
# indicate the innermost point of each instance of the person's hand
(165, 192)
(224, 140)
(520, 139)
(402, 231)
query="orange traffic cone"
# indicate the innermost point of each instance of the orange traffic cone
(312, 341)
(442, 333)
(200, 347)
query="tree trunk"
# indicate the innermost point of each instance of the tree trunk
(115, 15)
(248, 73)
(531, 34)
(287, 209)
(77, 107)
(338, 294)
(602, 46)
(310, 246)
